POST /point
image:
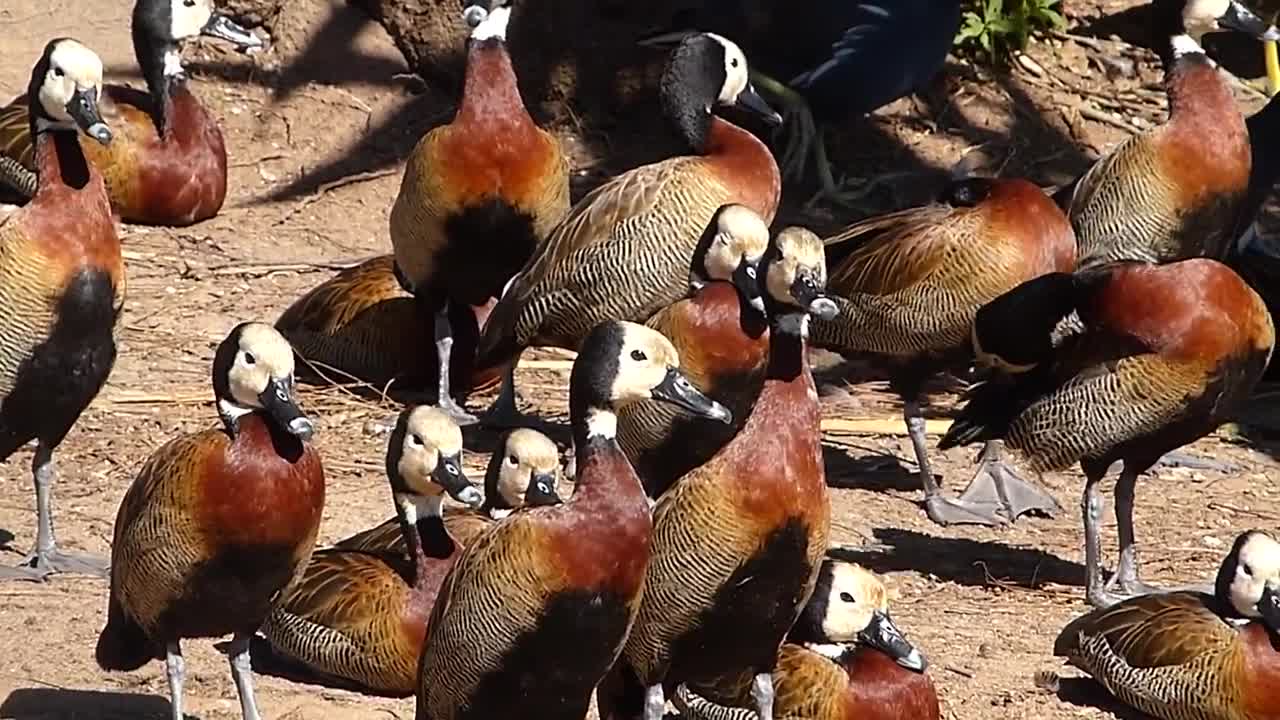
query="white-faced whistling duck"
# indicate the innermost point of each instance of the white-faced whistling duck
(1163, 355)
(844, 660)
(722, 336)
(1172, 192)
(908, 285)
(351, 327)
(361, 617)
(478, 195)
(61, 287)
(524, 470)
(827, 64)
(1192, 655)
(738, 541)
(219, 524)
(536, 610)
(167, 164)
(624, 250)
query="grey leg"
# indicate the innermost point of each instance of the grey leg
(242, 673)
(176, 668)
(655, 703)
(1091, 509)
(444, 349)
(1127, 573)
(940, 508)
(995, 483)
(47, 559)
(762, 694)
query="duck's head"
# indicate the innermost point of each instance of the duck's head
(731, 249)
(160, 26)
(487, 19)
(1184, 22)
(525, 470)
(253, 372)
(621, 363)
(704, 71)
(796, 276)
(424, 461)
(1249, 580)
(851, 605)
(67, 83)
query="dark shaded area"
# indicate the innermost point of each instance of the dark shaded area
(1087, 692)
(874, 471)
(44, 703)
(963, 561)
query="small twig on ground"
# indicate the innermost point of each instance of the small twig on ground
(332, 185)
(260, 269)
(1270, 517)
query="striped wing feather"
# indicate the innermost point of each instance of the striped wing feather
(1152, 631)
(697, 545)
(495, 592)
(903, 248)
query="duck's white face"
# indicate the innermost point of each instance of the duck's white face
(263, 356)
(736, 75)
(188, 18)
(740, 233)
(429, 435)
(1257, 569)
(855, 596)
(72, 67)
(529, 454)
(643, 363)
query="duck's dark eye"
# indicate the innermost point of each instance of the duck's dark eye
(57, 72)
(733, 62)
(189, 3)
(249, 359)
(416, 439)
(638, 355)
(1247, 570)
(512, 460)
(846, 597)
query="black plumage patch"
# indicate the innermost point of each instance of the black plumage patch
(751, 613)
(488, 243)
(549, 672)
(62, 375)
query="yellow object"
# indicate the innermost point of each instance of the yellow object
(1272, 60)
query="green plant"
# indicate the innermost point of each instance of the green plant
(995, 28)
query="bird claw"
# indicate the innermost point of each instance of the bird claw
(38, 566)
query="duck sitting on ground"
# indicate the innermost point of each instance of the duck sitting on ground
(1186, 655)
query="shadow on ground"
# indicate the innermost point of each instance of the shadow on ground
(59, 704)
(963, 561)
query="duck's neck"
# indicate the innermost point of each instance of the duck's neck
(425, 536)
(490, 93)
(746, 164)
(1195, 87)
(788, 355)
(161, 64)
(594, 429)
(59, 160)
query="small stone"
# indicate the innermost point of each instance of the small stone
(1211, 541)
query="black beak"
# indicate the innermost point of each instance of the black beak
(1269, 607)
(448, 475)
(83, 108)
(277, 400)
(746, 279)
(542, 490)
(751, 101)
(221, 27)
(1238, 17)
(808, 296)
(676, 389)
(884, 636)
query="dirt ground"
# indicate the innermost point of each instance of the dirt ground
(317, 128)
